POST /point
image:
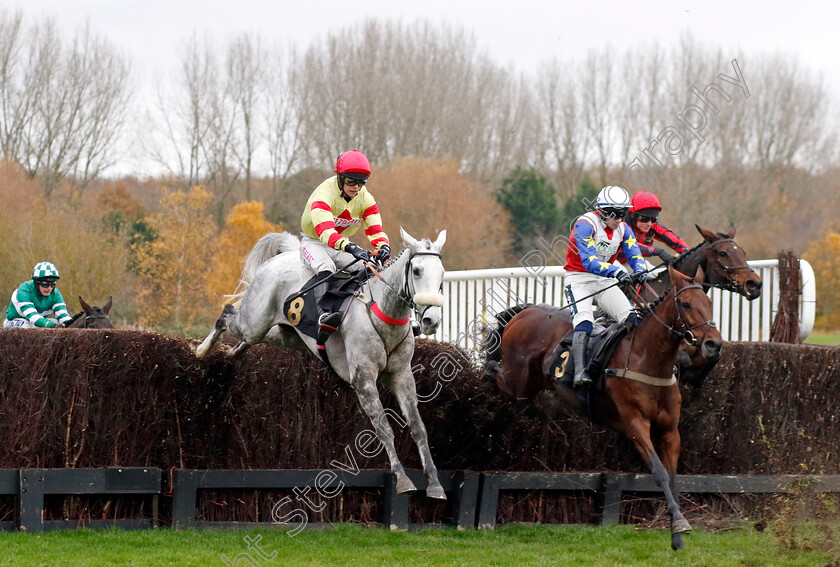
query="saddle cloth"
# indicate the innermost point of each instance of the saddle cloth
(602, 343)
(302, 308)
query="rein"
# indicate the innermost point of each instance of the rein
(406, 295)
(686, 333)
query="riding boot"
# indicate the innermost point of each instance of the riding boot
(579, 343)
(327, 320)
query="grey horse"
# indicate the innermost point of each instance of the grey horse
(374, 341)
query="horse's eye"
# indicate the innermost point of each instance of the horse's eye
(417, 272)
(722, 253)
(685, 304)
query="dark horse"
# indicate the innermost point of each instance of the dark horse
(644, 403)
(725, 266)
(91, 317)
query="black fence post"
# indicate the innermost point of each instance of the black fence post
(31, 507)
(184, 497)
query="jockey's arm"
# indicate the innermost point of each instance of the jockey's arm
(372, 224)
(630, 247)
(667, 236)
(59, 308)
(584, 239)
(324, 223)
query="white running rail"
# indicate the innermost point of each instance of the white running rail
(473, 297)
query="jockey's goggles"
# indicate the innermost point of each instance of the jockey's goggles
(642, 218)
(44, 283)
(353, 182)
(613, 213)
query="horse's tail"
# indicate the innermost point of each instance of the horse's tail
(493, 341)
(266, 248)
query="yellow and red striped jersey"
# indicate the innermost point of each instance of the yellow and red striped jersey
(331, 219)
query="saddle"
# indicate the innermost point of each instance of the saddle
(302, 308)
(602, 343)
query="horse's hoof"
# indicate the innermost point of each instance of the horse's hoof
(677, 542)
(436, 491)
(681, 526)
(404, 486)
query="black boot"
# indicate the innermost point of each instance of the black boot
(327, 320)
(579, 343)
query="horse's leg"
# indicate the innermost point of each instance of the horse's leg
(638, 430)
(220, 327)
(405, 389)
(364, 382)
(669, 448)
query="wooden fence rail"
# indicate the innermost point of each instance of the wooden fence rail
(473, 496)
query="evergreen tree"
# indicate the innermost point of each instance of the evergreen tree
(533, 208)
(579, 203)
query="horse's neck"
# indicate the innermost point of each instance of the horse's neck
(659, 358)
(387, 296)
(692, 260)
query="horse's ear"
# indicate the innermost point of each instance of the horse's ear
(731, 233)
(107, 306)
(676, 276)
(708, 235)
(698, 277)
(85, 306)
(407, 238)
(441, 239)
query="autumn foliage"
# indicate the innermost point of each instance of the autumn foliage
(174, 266)
(425, 196)
(824, 257)
(243, 227)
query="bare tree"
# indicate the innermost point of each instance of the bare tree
(282, 116)
(63, 105)
(390, 89)
(246, 72)
(559, 103)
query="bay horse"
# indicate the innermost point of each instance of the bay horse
(725, 266)
(91, 317)
(644, 405)
(374, 341)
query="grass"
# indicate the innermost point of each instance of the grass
(350, 545)
(823, 338)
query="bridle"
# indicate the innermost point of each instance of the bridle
(89, 319)
(686, 334)
(407, 293)
(730, 284)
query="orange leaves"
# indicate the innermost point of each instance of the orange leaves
(824, 257)
(425, 196)
(174, 266)
(243, 227)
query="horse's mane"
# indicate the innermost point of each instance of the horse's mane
(690, 251)
(75, 317)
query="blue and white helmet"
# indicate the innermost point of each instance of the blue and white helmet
(613, 197)
(45, 271)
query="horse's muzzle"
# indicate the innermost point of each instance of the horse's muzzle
(711, 349)
(752, 287)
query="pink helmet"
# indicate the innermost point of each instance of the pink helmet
(353, 161)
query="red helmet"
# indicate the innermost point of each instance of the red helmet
(353, 161)
(644, 200)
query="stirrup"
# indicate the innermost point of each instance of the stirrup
(329, 322)
(583, 381)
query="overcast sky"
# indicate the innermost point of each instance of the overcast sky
(520, 33)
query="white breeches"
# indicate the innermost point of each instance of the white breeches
(611, 299)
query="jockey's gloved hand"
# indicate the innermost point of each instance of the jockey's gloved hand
(639, 277)
(357, 252)
(623, 277)
(665, 256)
(384, 254)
